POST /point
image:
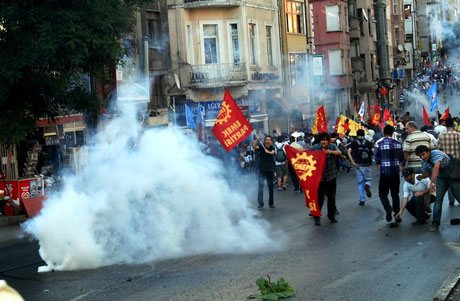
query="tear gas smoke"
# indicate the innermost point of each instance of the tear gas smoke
(158, 199)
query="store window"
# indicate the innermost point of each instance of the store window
(297, 67)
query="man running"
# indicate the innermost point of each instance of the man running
(360, 154)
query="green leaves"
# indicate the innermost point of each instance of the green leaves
(273, 291)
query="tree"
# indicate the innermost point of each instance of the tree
(45, 46)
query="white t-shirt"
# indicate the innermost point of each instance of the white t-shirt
(440, 129)
(410, 189)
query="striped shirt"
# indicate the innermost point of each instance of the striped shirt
(415, 139)
(388, 154)
(449, 142)
(436, 156)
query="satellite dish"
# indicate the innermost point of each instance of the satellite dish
(400, 48)
(176, 79)
(408, 47)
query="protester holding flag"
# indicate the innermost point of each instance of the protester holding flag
(266, 154)
(328, 185)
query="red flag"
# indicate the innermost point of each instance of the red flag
(231, 126)
(446, 114)
(337, 122)
(308, 166)
(320, 125)
(386, 115)
(426, 118)
(377, 115)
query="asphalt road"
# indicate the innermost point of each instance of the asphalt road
(359, 258)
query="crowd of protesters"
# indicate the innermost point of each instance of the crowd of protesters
(427, 158)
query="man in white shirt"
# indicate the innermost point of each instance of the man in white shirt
(420, 198)
(441, 128)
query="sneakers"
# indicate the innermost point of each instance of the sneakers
(317, 221)
(362, 203)
(368, 190)
(388, 216)
(434, 228)
(279, 188)
(284, 186)
(260, 206)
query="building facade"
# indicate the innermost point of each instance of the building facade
(218, 45)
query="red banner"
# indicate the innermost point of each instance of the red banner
(231, 126)
(426, 118)
(308, 166)
(445, 115)
(320, 125)
(377, 115)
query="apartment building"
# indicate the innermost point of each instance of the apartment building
(296, 46)
(363, 52)
(218, 45)
(332, 41)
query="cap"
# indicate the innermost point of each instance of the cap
(408, 171)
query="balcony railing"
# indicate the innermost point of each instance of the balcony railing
(211, 3)
(212, 75)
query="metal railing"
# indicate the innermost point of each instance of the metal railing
(218, 73)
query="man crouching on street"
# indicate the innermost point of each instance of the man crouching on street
(419, 193)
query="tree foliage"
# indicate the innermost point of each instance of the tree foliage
(45, 45)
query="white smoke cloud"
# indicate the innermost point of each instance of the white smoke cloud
(161, 198)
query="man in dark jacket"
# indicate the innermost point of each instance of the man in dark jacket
(266, 154)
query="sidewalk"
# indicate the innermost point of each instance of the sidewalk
(450, 289)
(11, 220)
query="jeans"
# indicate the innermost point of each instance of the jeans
(343, 164)
(363, 176)
(416, 207)
(387, 183)
(327, 188)
(442, 185)
(268, 175)
(294, 179)
(451, 196)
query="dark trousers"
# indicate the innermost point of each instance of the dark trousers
(416, 207)
(389, 183)
(327, 188)
(265, 175)
(294, 179)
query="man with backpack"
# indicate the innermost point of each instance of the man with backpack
(360, 154)
(281, 163)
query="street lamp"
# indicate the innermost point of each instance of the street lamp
(414, 36)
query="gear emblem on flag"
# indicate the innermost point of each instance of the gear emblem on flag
(224, 113)
(304, 164)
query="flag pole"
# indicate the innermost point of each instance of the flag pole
(261, 142)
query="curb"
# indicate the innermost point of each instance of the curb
(447, 287)
(11, 220)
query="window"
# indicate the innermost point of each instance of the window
(294, 16)
(253, 44)
(354, 49)
(210, 39)
(235, 43)
(407, 11)
(336, 62)
(189, 44)
(352, 8)
(268, 35)
(397, 41)
(153, 27)
(297, 66)
(395, 7)
(333, 18)
(347, 25)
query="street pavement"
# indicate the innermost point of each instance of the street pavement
(359, 258)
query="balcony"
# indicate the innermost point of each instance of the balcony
(218, 75)
(211, 3)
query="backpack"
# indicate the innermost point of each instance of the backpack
(364, 153)
(280, 155)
